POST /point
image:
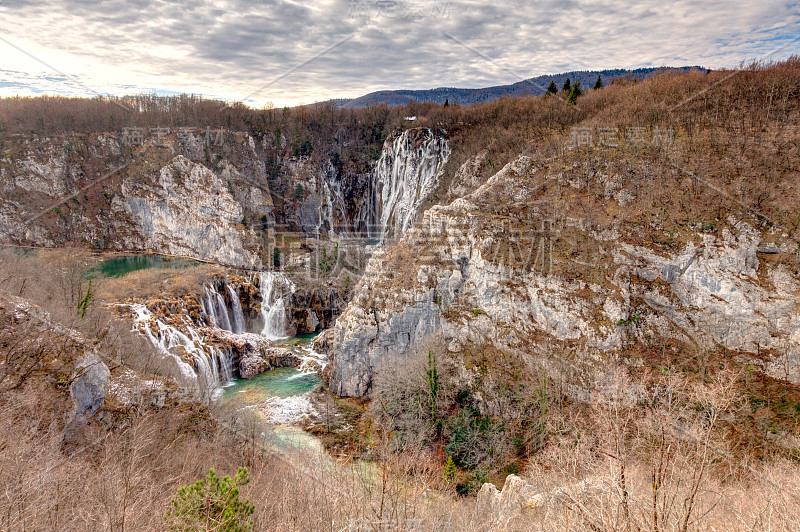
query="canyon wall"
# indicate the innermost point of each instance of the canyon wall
(209, 200)
(506, 267)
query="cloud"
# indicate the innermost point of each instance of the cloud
(231, 48)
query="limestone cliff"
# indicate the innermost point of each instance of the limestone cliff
(507, 266)
(187, 210)
(165, 197)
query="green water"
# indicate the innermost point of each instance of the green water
(119, 266)
(294, 341)
(280, 382)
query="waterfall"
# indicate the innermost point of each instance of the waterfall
(222, 313)
(216, 308)
(238, 313)
(407, 172)
(273, 287)
(208, 305)
(212, 366)
(385, 202)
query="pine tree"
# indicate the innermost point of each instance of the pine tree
(450, 470)
(446, 102)
(566, 86)
(276, 257)
(598, 84)
(552, 89)
(574, 92)
(212, 504)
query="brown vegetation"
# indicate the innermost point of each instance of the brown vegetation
(672, 439)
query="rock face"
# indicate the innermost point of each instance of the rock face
(155, 196)
(370, 330)
(89, 385)
(187, 210)
(492, 269)
(312, 310)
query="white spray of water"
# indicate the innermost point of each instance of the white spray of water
(216, 309)
(214, 366)
(273, 287)
(222, 313)
(238, 313)
(406, 174)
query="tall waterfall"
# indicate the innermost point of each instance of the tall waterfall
(274, 287)
(407, 172)
(385, 202)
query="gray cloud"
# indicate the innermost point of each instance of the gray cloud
(233, 47)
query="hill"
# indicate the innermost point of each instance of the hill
(531, 86)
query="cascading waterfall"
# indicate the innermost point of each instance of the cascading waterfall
(213, 367)
(238, 313)
(222, 313)
(216, 309)
(209, 305)
(273, 287)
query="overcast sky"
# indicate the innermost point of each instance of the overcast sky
(289, 52)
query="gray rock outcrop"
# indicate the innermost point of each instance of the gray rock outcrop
(253, 353)
(187, 210)
(89, 385)
(519, 501)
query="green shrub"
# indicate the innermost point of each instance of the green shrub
(449, 471)
(473, 440)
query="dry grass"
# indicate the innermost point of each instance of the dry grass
(157, 283)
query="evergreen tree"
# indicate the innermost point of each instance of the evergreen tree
(212, 504)
(552, 89)
(450, 470)
(83, 304)
(574, 92)
(276, 257)
(566, 86)
(598, 84)
(446, 102)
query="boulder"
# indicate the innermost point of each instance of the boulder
(88, 390)
(519, 500)
(89, 385)
(274, 357)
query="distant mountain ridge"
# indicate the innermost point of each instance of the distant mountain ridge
(533, 86)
